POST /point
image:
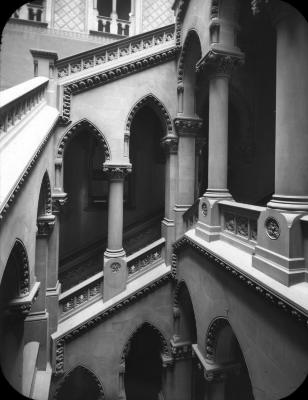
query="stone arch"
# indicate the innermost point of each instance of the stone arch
(157, 106)
(18, 255)
(82, 370)
(211, 339)
(192, 35)
(45, 199)
(71, 132)
(164, 343)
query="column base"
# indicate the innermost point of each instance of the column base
(208, 226)
(290, 203)
(115, 273)
(279, 252)
(222, 194)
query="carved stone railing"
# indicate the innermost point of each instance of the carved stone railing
(81, 295)
(115, 51)
(239, 223)
(190, 216)
(145, 259)
(18, 102)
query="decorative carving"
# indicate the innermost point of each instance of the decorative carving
(183, 4)
(211, 338)
(144, 261)
(185, 48)
(181, 351)
(116, 172)
(256, 5)
(45, 224)
(58, 201)
(242, 226)
(153, 101)
(230, 222)
(220, 62)
(115, 267)
(272, 228)
(253, 230)
(170, 144)
(204, 209)
(90, 323)
(113, 74)
(214, 12)
(187, 126)
(249, 281)
(82, 296)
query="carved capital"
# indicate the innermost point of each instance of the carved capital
(187, 126)
(116, 172)
(170, 144)
(257, 5)
(58, 201)
(220, 63)
(45, 224)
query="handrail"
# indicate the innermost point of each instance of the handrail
(112, 51)
(17, 101)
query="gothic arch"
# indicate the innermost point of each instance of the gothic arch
(45, 199)
(155, 104)
(163, 341)
(19, 256)
(87, 372)
(71, 132)
(212, 336)
(190, 37)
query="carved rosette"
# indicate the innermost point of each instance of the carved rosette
(45, 224)
(272, 228)
(170, 144)
(116, 172)
(220, 63)
(115, 267)
(187, 126)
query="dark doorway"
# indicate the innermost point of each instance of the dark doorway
(143, 366)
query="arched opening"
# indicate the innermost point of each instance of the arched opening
(104, 7)
(187, 324)
(251, 155)
(14, 284)
(223, 349)
(143, 365)
(83, 228)
(80, 384)
(123, 9)
(145, 193)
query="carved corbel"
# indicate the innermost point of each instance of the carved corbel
(45, 224)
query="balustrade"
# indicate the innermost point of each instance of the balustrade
(115, 51)
(17, 102)
(145, 259)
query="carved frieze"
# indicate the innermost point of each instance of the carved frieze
(144, 261)
(220, 63)
(187, 126)
(181, 350)
(116, 172)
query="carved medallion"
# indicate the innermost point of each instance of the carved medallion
(204, 209)
(272, 228)
(115, 267)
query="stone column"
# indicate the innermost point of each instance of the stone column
(132, 18)
(280, 252)
(114, 18)
(219, 66)
(37, 321)
(122, 394)
(115, 271)
(170, 144)
(187, 129)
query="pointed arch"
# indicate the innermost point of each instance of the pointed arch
(163, 341)
(216, 326)
(77, 127)
(45, 199)
(159, 108)
(192, 36)
(80, 370)
(18, 260)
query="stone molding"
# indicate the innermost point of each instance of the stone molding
(219, 62)
(181, 350)
(116, 172)
(21, 306)
(265, 293)
(58, 201)
(157, 104)
(59, 362)
(186, 126)
(170, 144)
(83, 124)
(181, 11)
(185, 48)
(40, 53)
(45, 224)
(111, 75)
(212, 336)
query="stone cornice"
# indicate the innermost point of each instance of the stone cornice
(220, 62)
(22, 305)
(265, 293)
(94, 321)
(111, 75)
(40, 53)
(187, 126)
